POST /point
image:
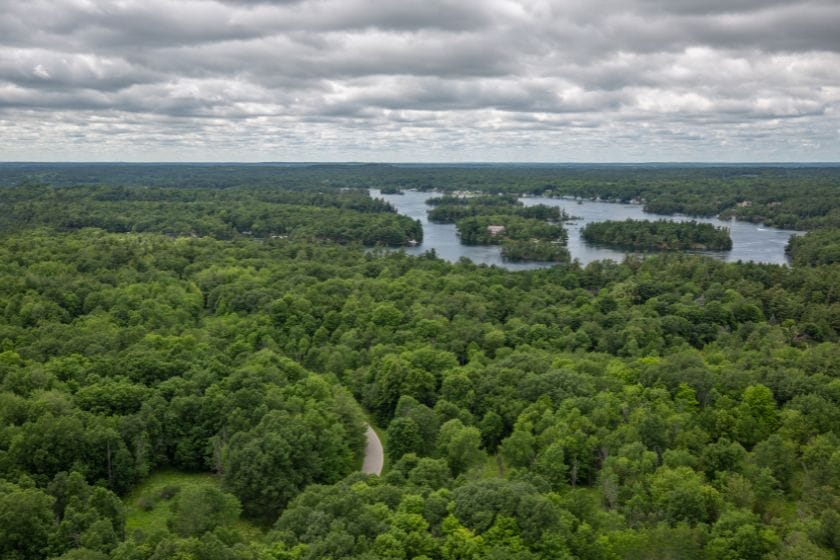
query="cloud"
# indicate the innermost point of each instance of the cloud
(439, 80)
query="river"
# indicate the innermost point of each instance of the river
(750, 242)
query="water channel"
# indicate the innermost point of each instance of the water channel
(750, 242)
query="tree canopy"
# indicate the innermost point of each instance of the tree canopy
(672, 406)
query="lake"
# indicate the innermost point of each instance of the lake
(750, 242)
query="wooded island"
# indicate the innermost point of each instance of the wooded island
(659, 235)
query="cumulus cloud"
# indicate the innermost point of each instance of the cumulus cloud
(551, 80)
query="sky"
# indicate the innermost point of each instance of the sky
(420, 81)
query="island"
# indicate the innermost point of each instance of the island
(525, 233)
(449, 209)
(534, 250)
(659, 235)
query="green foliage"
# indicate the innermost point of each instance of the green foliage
(404, 437)
(460, 445)
(518, 251)
(519, 448)
(662, 235)
(479, 230)
(151, 511)
(797, 197)
(67, 515)
(815, 248)
(267, 466)
(526, 233)
(680, 495)
(757, 416)
(667, 407)
(241, 211)
(738, 535)
(26, 522)
(199, 509)
(451, 209)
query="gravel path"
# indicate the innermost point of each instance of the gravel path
(374, 456)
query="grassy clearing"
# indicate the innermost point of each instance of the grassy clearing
(155, 492)
(491, 467)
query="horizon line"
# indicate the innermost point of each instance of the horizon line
(384, 162)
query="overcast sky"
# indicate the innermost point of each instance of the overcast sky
(430, 80)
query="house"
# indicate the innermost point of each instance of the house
(495, 230)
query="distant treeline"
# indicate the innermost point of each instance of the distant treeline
(663, 235)
(342, 216)
(799, 197)
(485, 200)
(450, 209)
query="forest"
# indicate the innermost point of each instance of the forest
(660, 235)
(791, 196)
(521, 238)
(525, 233)
(451, 209)
(534, 251)
(816, 247)
(341, 215)
(173, 387)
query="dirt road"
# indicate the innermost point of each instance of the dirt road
(374, 455)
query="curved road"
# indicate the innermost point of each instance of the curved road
(374, 456)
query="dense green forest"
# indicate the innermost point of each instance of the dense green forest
(799, 197)
(534, 250)
(164, 395)
(660, 235)
(342, 216)
(494, 229)
(451, 209)
(816, 247)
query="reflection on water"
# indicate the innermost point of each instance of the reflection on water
(750, 242)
